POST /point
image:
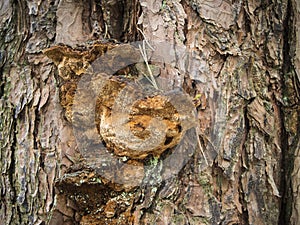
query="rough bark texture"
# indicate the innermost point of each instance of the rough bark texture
(292, 115)
(243, 75)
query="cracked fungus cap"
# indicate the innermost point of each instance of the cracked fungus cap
(115, 117)
(141, 125)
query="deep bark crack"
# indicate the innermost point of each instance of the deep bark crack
(245, 214)
(287, 155)
(35, 129)
(12, 170)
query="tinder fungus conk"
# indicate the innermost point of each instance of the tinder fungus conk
(136, 122)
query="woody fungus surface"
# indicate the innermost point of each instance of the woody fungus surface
(137, 121)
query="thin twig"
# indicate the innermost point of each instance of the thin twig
(145, 58)
(106, 30)
(200, 145)
(145, 38)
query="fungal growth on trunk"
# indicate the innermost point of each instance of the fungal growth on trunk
(133, 118)
(139, 126)
(121, 121)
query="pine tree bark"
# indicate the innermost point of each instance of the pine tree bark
(243, 75)
(292, 190)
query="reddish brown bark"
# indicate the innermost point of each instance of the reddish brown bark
(242, 74)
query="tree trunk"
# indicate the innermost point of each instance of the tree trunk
(236, 63)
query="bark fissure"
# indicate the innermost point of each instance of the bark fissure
(12, 169)
(245, 165)
(287, 151)
(247, 21)
(35, 129)
(285, 184)
(2, 82)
